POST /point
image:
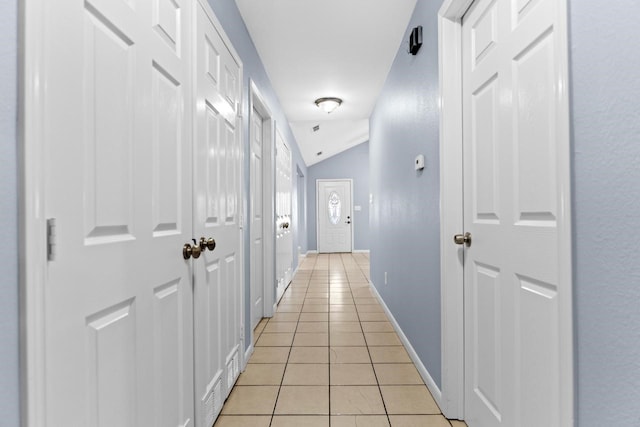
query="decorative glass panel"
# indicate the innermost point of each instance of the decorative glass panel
(334, 206)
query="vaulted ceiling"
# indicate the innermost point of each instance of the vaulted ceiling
(328, 48)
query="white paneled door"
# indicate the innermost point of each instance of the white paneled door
(284, 224)
(334, 216)
(512, 100)
(217, 186)
(132, 175)
(257, 217)
(117, 302)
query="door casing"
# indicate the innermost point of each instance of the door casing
(32, 258)
(451, 213)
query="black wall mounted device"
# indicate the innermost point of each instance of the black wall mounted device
(415, 40)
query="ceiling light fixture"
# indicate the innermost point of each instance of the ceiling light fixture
(328, 104)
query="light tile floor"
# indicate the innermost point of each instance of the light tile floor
(330, 357)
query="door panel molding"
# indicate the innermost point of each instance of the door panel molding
(451, 213)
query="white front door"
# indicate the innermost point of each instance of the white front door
(257, 217)
(334, 216)
(217, 196)
(513, 121)
(117, 302)
(284, 224)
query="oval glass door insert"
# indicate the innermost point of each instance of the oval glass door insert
(334, 206)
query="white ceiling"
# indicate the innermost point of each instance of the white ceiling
(313, 49)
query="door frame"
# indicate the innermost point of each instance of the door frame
(257, 101)
(32, 222)
(318, 181)
(451, 213)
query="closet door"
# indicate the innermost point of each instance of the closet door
(218, 293)
(284, 230)
(116, 325)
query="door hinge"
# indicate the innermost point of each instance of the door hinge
(51, 239)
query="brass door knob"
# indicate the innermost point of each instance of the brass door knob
(189, 251)
(209, 243)
(463, 239)
(186, 251)
(196, 251)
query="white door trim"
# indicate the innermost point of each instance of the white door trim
(33, 257)
(256, 100)
(451, 219)
(318, 181)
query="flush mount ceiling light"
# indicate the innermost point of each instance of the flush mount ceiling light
(328, 104)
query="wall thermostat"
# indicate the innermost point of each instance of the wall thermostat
(419, 163)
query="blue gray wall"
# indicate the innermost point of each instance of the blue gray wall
(229, 16)
(605, 88)
(9, 365)
(405, 218)
(350, 164)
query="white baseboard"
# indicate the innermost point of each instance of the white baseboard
(424, 373)
(312, 252)
(280, 293)
(361, 251)
(247, 355)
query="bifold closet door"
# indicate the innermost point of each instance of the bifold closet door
(218, 316)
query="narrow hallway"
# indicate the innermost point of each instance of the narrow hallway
(330, 357)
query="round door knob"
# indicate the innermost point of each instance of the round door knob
(463, 239)
(209, 243)
(189, 251)
(196, 251)
(186, 251)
